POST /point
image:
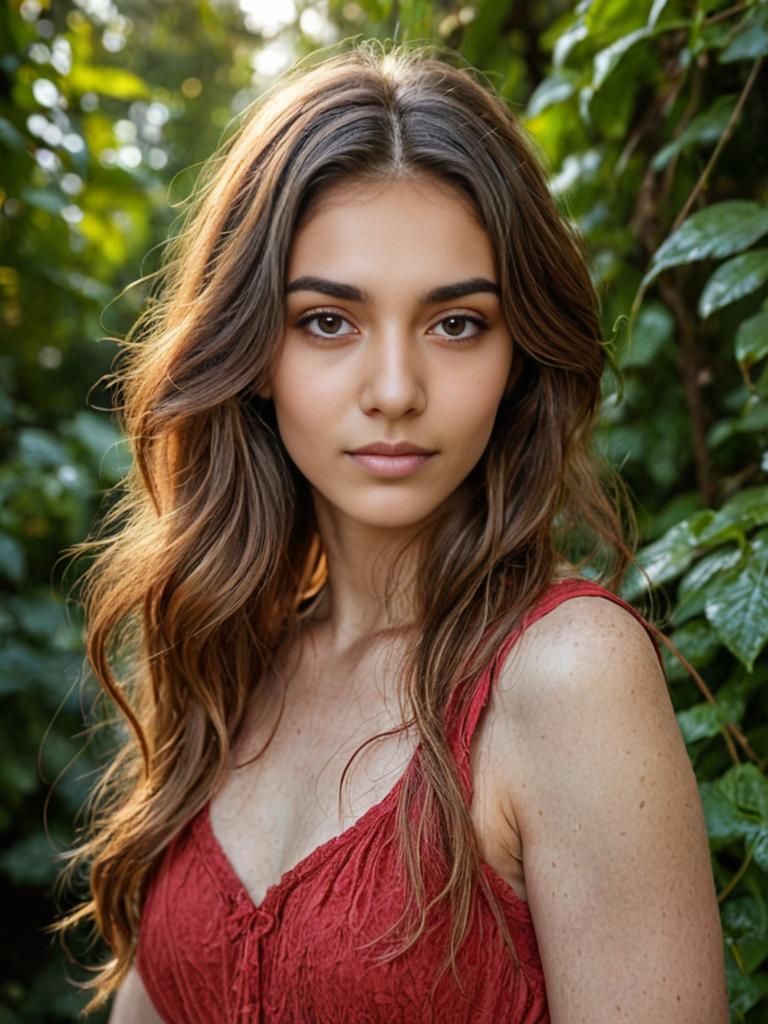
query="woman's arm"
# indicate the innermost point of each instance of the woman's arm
(132, 1005)
(615, 852)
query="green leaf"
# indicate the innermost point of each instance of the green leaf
(760, 853)
(555, 89)
(704, 719)
(715, 232)
(740, 276)
(755, 416)
(705, 128)
(691, 591)
(606, 60)
(744, 918)
(747, 787)
(656, 11)
(39, 448)
(669, 556)
(744, 990)
(751, 38)
(12, 558)
(683, 505)
(737, 607)
(654, 326)
(567, 41)
(706, 568)
(752, 339)
(749, 506)
(725, 821)
(742, 512)
(735, 805)
(697, 642)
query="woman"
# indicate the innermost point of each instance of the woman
(361, 412)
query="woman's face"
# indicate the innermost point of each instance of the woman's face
(370, 356)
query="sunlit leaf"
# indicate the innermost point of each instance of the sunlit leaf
(567, 41)
(669, 556)
(607, 59)
(734, 279)
(714, 232)
(752, 339)
(551, 90)
(737, 606)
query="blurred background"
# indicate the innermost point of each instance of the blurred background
(650, 119)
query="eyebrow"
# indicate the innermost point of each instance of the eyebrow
(443, 293)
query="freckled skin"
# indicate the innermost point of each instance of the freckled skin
(616, 856)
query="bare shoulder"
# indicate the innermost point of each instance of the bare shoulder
(615, 851)
(583, 632)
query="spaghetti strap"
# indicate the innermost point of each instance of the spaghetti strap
(555, 594)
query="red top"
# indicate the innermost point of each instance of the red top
(208, 955)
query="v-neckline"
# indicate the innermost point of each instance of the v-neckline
(238, 891)
(234, 884)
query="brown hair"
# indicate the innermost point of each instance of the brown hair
(211, 552)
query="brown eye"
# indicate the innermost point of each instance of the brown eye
(453, 321)
(328, 323)
(457, 323)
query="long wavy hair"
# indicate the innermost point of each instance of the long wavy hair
(209, 555)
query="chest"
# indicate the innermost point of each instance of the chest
(272, 813)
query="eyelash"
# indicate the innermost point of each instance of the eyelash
(480, 322)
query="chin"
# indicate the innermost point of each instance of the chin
(381, 513)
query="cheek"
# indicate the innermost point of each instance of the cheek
(469, 399)
(306, 403)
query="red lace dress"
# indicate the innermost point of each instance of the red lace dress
(208, 955)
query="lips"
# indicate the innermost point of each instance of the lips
(391, 459)
(385, 448)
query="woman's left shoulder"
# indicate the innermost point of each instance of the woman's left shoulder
(594, 766)
(584, 637)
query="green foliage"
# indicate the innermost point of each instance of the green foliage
(649, 118)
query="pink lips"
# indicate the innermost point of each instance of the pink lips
(391, 460)
(390, 465)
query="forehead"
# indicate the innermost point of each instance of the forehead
(422, 226)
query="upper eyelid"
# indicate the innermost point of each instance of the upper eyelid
(310, 314)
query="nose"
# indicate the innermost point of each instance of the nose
(393, 379)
